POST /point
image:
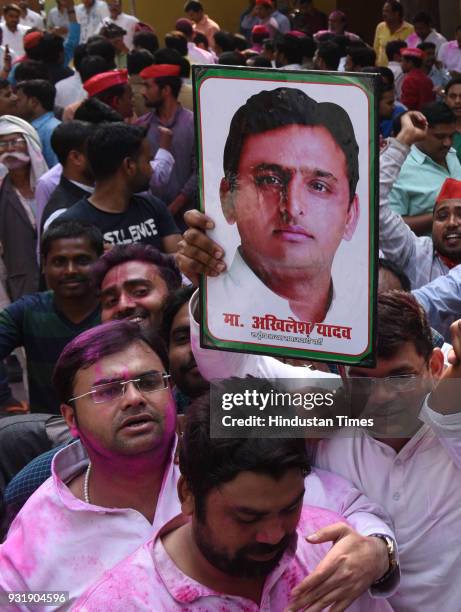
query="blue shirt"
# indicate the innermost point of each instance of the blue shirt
(45, 126)
(420, 181)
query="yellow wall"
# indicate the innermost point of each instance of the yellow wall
(162, 15)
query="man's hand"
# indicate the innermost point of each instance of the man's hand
(445, 397)
(177, 204)
(165, 137)
(352, 565)
(198, 254)
(7, 60)
(414, 128)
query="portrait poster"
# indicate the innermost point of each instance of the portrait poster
(288, 172)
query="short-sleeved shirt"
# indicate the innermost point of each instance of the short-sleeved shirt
(383, 35)
(420, 181)
(146, 220)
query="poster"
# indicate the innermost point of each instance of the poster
(288, 172)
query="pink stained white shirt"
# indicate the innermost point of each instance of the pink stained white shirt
(450, 56)
(59, 543)
(420, 487)
(149, 579)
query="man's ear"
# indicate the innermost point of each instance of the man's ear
(352, 218)
(68, 413)
(185, 497)
(437, 363)
(129, 166)
(227, 201)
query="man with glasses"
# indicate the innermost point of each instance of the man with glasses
(21, 155)
(114, 486)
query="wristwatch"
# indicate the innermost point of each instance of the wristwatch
(392, 556)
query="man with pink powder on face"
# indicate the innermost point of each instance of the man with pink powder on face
(240, 543)
(83, 520)
(112, 488)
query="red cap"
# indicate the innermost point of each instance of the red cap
(451, 190)
(267, 3)
(419, 53)
(32, 39)
(160, 70)
(104, 80)
(297, 33)
(260, 29)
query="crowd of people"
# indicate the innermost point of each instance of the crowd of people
(113, 493)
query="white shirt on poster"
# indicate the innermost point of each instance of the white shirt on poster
(240, 291)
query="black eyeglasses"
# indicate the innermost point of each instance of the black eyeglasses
(148, 382)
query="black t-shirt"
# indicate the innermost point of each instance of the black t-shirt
(146, 220)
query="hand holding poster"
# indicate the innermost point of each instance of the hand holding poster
(279, 157)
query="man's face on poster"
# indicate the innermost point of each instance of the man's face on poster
(291, 200)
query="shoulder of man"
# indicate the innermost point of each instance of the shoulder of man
(79, 210)
(41, 300)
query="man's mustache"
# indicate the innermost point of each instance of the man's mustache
(16, 155)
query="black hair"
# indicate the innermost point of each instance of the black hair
(30, 70)
(330, 53)
(70, 136)
(241, 43)
(51, 48)
(438, 113)
(40, 89)
(401, 319)
(390, 266)
(138, 60)
(231, 58)
(121, 254)
(386, 74)
(416, 61)
(103, 48)
(201, 39)
(80, 52)
(452, 83)
(59, 230)
(112, 143)
(91, 65)
(269, 110)
(175, 301)
(362, 56)
(422, 17)
(259, 61)
(146, 40)
(116, 91)
(173, 57)
(425, 46)
(193, 5)
(308, 46)
(224, 40)
(396, 7)
(176, 40)
(208, 462)
(291, 48)
(96, 112)
(393, 47)
(174, 83)
(96, 343)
